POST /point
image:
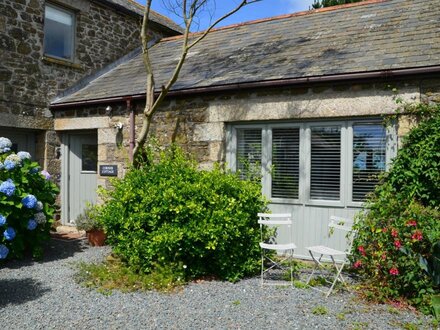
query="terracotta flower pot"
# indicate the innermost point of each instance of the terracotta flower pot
(96, 237)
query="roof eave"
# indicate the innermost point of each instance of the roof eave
(356, 76)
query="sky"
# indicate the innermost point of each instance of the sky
(261, 9)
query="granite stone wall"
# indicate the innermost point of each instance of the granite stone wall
(198, 123)
(29, 79)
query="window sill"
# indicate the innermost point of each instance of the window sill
(66, 63)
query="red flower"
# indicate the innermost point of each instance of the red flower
(411, 223)
(357, 264)
(397, 244)
(394, 233)
(384, 230)
(418, 236)
(394, 271)
(384, 256)
(361, 250)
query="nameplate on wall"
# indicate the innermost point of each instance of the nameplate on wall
(108, 170)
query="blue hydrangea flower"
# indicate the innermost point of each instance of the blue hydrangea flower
(14, 158)
(29, 201)
(9, 234)
(34, 170)
(46, 174)
(7, 187)
(9, 165)
(3, 251)
(32, 224)
(23, 155)
(2, 220)
(5, 145)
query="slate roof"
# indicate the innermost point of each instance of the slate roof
(136, 8)
(363, 37)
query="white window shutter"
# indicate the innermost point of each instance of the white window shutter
(325, 171)
(285, 163)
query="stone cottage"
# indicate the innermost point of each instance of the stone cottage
(300, 98)
(48, 46)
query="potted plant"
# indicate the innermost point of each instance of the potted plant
(88, 221)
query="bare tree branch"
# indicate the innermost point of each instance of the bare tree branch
(189, 14)
(241, 5)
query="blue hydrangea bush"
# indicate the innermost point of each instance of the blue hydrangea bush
(27, 203)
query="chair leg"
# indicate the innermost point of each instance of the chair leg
(337, 277)
(315, 268)
(291, 268)
(262, 267)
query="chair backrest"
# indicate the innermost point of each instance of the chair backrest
(274, 218)
(345, 225)
(277, 219)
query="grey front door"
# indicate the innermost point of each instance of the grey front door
(83, 158)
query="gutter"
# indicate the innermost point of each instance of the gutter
(383, 74)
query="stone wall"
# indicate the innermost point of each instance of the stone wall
(198, 123)
(29, 79)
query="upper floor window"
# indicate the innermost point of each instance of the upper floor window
(59, 27)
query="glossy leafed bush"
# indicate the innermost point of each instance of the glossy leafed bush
(27, 198)
(397, 236)
(168, 215)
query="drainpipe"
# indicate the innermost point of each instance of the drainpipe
(132, 128)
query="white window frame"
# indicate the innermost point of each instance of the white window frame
(72, 13)
(346, 174)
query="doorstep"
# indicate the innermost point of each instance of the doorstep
(68, 233)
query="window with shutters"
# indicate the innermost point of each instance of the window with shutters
(249, 147)
(325, 167)
(369, 158)
(333, 163)
(59, 32)
(285, 163)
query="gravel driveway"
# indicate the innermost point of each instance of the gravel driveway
(44, 295)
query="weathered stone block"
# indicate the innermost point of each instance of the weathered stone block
(209, 132)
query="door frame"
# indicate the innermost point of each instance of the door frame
(65, 172)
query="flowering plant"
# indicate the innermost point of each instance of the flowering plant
(388, 251)
(395, 249)
(27, 199)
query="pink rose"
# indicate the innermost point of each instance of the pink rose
(394, 271)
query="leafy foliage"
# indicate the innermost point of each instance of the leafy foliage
(88, 219)
(329, 3)
(27, 199)
(397, 243)
(170, 215)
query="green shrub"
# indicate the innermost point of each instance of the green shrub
(27, 199)
(88, 219)
(168, 214)
(394, 247)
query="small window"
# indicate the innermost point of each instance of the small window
(59, 32)
(285, 162)
(249, 153)
(369, 158)
(325, 163)
(89, 159)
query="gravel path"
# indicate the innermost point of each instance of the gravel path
(44, 295)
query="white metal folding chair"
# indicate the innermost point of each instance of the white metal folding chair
(271, 244)
(320, 251)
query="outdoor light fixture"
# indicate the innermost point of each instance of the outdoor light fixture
(108, 110)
